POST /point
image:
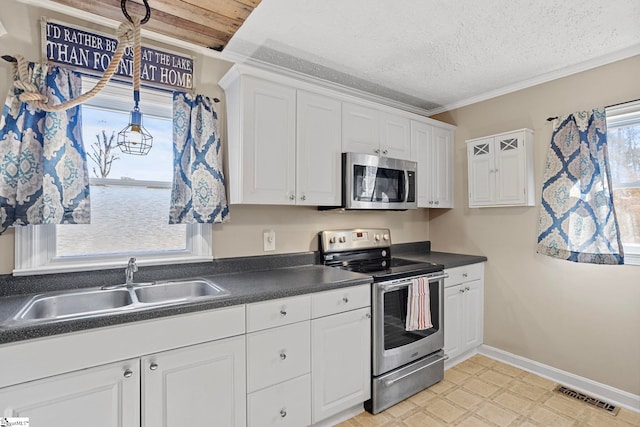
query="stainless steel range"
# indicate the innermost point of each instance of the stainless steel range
(404, 362)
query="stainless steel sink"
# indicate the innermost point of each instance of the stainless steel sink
(94, 302)
(74, 304)
(178, 291)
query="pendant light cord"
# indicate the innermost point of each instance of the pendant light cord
(128, 34)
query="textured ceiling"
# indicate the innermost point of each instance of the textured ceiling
(439, 54)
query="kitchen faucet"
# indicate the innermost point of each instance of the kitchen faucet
(132, 267)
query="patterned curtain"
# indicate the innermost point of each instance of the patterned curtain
(43, 167)
(198, 194)
(577, 219)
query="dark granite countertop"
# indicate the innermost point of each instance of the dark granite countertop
(248, 280)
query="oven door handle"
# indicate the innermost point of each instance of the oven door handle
(406, 283)
(389, 383)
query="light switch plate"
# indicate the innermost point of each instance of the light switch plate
(269, 240)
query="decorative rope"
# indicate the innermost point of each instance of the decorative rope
(128, 34)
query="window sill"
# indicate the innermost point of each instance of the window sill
(632, 259)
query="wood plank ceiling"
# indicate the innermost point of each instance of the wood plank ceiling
(209, 23)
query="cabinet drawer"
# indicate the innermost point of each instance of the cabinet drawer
(340, 300)
(277, 355)
(286, 404)
(284, 311)
(463, 274)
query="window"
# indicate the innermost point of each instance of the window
(129, 197)
(623, 136)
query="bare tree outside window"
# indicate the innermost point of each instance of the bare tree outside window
(102, 155)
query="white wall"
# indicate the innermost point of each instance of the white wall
(295, 227)
(584, 319)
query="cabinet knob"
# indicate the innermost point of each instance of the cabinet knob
(303, 197)
(345, 300)
(430, 202)
(437, 202)
(461, 291)
(283, 312)
(283, 355)
(153, 366)
(128, 373)
(377, 151)
(465, 274)
(467, 288)
(283, 413)
(368, 315)
(385, 151)
(292, 197)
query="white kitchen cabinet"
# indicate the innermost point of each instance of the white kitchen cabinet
(198, 385)
(368, 130)
(318, 150)
(463, 309)
(262, 141)
(102, 396)
(500, 169)
(283, 405)
(341, 362)
(432, 149)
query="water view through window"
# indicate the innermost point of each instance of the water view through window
(130, 205)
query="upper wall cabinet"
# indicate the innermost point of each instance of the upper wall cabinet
(500, 169)
(431, 147)
(371, 131)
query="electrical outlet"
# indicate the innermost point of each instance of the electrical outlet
(269, 237)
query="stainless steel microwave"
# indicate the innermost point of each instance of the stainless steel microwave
(374, 182)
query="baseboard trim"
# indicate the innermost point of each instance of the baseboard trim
(341, 416)
(602, 391)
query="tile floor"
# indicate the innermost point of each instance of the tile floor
(483, 392)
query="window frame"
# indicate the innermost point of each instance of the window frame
(35, 246)
(620, 115)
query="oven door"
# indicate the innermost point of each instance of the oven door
(393, 346)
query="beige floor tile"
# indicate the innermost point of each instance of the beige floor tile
(444, 410)
(512, 371)
(423, 397)
(567, 406)
(527, 424)
(549, 418)
(630, 417)
(442, 387)
(538, 381)
(456, 376)
(368, 420)
(599, 418)
(463, 399)
(348, 423)
(480, 387)
(401, 409)
(473, 421)
(513, 402)
(496, 414)
(422, 419)
(528, 390)
(470, 367)
(496, 378)
(483, 360)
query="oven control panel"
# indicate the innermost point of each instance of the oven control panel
(360, 238)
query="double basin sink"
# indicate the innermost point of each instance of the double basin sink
(93, 302)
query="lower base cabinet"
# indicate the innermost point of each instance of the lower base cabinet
(201, 385)
(285, 405)
(340, 362)
(103, 396)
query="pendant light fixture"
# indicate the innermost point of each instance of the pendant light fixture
(134, 138)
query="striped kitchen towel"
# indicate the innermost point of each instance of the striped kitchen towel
(418, 305)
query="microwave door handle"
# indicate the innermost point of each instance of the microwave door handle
(406, 185)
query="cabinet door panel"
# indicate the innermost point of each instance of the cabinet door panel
(100, 397)
(442, 168)
(360, 129)
(319, 150)
(421, 153)
(453, 320)
(341, 366)
(269, 142)
(472, 307)
(395, 136)
(481, 173)
(510, 166)
(201, 385)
